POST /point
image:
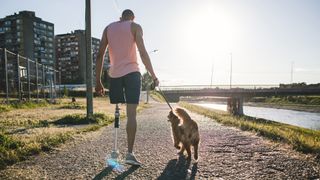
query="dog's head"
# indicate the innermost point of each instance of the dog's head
(173, 118)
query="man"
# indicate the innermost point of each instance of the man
(122, 38)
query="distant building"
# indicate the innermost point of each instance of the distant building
(28, 35)
(71, 56)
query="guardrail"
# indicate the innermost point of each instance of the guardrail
(221, 86)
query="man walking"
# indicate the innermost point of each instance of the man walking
(122, 38)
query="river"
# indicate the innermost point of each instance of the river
(298, 118)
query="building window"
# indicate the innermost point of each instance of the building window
(7, 23)
(19, 21)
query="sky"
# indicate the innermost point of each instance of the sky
(200, 41)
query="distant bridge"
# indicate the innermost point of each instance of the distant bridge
(236, 94)
(173, 93)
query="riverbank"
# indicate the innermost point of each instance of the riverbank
(297, 103)
(301, 139)
(296, 107)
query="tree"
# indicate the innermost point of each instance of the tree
(146, 81)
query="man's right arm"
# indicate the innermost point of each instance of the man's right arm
(138, 33)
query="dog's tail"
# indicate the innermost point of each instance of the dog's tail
(182, 114)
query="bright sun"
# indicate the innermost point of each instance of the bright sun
(209, 29)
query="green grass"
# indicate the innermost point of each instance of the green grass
(72, 105)
(4, 108)
(78, 119)
(22, 105)
(157, 96)
(13, 149)
(287, 100)
(301, 139)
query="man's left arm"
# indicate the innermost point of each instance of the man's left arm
(100, 61)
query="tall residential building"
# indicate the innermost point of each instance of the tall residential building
(71, 56)
(28, 35)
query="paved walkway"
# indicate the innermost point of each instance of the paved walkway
(225, 153)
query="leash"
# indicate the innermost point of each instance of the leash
(162, 94)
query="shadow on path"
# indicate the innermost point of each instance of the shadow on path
(106, 171)
(179, 169)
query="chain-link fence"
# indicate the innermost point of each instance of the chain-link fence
(25, 79)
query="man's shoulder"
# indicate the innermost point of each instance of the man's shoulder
(135, 26)
(111, 24)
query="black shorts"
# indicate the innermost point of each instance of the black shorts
(125, 89)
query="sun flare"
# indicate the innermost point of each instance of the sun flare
(209, 29)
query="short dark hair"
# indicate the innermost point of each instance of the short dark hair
(127, 13)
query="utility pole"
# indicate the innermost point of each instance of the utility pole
(211, 74)
(291, 79)
(89, 60)
(230, 70)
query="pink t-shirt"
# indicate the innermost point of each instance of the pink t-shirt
(122, 49)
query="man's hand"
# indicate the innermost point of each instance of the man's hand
(99, 89)
(154, 84)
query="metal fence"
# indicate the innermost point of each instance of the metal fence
(23, 79)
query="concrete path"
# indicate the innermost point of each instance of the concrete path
(225, 153)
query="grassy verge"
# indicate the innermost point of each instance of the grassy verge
(14, 148)
(157, 96)
(301, 139)
(288, 100)
(72, 105)
(44, 135)
(22, 105)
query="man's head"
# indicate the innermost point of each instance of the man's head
(127, 15)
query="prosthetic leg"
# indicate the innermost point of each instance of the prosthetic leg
(112, 160)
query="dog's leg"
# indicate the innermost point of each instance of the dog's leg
(195, 148)
(187, 146)
(181, 150)
(176, 145)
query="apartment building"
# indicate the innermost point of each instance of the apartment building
(27, 35)
(71, 56)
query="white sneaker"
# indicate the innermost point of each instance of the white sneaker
(132, 160)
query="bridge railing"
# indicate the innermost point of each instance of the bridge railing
(200, 87)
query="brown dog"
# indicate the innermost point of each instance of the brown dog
(184, 131)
